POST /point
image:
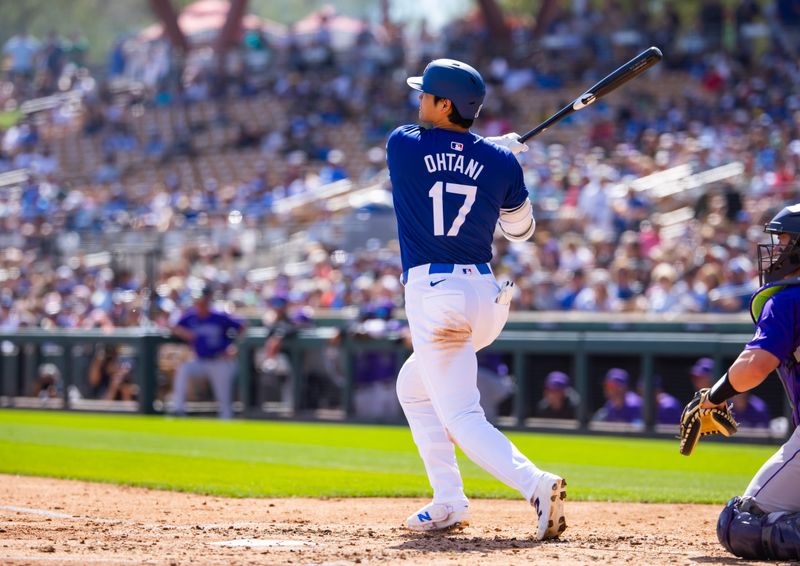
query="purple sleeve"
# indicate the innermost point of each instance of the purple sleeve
(184, 320)
(775, 328)
(235, 323)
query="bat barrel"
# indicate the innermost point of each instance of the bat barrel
(612, 81)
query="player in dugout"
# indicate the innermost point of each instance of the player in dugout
(764, 523)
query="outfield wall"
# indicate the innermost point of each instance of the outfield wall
(651, 352)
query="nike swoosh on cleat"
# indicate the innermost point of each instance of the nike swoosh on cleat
(435, 283)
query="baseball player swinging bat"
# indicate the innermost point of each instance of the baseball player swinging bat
(612, 81)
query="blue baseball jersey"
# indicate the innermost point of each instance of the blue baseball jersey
(448, 188)
(213, 334)
(778, 332)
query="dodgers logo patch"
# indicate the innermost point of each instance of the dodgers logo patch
(458, 146)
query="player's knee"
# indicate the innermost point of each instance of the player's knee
(464, 424)
(746, 531)
(404, 387)
(739, 532)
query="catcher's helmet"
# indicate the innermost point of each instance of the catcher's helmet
(778, 261)
(453, 80)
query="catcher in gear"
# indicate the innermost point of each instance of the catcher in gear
(764, 523)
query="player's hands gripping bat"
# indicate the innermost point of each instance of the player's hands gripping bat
(697, 421)
(511, 141)
(612, 81)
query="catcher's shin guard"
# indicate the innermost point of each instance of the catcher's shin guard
(746, 531)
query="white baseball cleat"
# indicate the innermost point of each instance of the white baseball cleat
(548, 501)
(438, 516)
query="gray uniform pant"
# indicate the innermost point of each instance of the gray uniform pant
(220, 372)
(774, 487)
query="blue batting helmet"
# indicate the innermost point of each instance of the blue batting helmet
(454, 80)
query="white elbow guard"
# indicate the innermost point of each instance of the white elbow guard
(518, 223)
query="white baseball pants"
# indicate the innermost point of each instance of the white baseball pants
(451, 316)
(774, 487)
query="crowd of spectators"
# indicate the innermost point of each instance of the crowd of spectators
(604, 243)
(160, 144)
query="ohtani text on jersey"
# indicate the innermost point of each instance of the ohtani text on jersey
(453, 162)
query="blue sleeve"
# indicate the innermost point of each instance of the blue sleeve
(184, 321)
(775, 328)
(395, 138)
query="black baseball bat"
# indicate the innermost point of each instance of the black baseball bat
(612, 81)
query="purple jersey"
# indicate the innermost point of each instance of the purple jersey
(375, 365)
(213, 334)
(754, 414)
(448, 188)
(629, 412)
(778, 332)
(668, 409)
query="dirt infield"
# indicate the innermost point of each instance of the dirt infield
(45, 521)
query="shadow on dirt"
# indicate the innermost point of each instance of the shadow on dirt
(438, 542)
(725, 560)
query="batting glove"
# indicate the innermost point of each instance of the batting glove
(510, 141)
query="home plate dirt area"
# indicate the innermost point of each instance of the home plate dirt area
(47, 521)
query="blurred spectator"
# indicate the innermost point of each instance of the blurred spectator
(275, 364)
(211, 334)
(22, 49)
(788, 17)
(375, 371)
(110, 377)
(494, 384)
(117, 59)
(559, 399)
(52, 55)
(702, 374)
(596, 296)
(48, 384)
(750, 411)
(569, 291)
(668, 408)
(665, 295)
(622, 405)
(324, 375)
(617, 201)
(712, 22)
(734, 292)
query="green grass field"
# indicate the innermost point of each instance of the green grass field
(282, 459)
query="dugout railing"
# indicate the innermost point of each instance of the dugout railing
(665, 350)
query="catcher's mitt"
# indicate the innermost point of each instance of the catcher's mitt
(697, 422)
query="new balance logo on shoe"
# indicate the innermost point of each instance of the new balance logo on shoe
(548, 502)
(536, 507)
(440, 516)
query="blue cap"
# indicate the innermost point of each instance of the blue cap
(454, 80)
